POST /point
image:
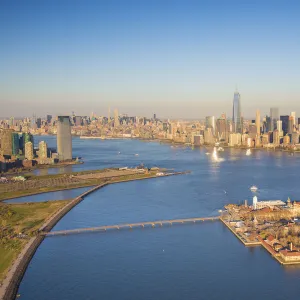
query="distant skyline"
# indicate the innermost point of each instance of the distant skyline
(178, 59)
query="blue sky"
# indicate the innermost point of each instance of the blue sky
(175, 58)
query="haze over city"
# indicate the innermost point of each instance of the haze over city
(179, 59)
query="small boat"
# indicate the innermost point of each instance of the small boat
(220, 149)
(248, 152)
(253, 188)
(136, 154)
(207, 153)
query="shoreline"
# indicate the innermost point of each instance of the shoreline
(11, 283)
(262, 243)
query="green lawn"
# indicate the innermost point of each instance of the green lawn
(25, 218)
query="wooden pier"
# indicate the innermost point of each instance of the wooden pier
(159, 223)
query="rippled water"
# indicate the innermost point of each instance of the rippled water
(201, 261)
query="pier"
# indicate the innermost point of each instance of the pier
(153, 224)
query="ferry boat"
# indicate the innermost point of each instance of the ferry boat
(253, 188)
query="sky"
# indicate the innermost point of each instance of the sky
(178, 59)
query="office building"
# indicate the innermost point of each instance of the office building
(64, 138)
(221, 129)
(49, 119)
(15, 144)
(285, 124)
(235, 139)
(210, 123)
(236, 114)
(29, 151)
(279, 127)
(6, 140)
(274, 115)
(116, 118)
(257, 122)
(43, 150)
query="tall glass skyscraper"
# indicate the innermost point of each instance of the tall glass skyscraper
(236, 114)
(64, 138)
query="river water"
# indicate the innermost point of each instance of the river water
(199, 261)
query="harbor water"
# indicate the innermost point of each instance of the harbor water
(189, 261)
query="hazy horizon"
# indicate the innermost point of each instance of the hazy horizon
(178, 59)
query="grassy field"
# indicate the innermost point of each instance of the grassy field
(51, 183)
(25, 219)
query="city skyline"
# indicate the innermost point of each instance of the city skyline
(179, 58)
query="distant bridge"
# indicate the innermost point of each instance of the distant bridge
(129, 226)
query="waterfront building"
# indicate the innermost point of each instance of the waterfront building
(253, 131)
(269, 203)
(276, 137)
(208, 136)
(274, 115)
(210, 123)
(38, 122)
(285, 124)
(43, 150)
(235, 139)
(6, 140)
(29, 151)
(257, 122)
(295, 138)
(221, 130)
(64, 138)
(286, 140)
(236, 114)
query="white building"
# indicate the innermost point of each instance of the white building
(269, 203)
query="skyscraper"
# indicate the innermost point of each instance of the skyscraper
(64, 138)
(274, 114)
(15, 144)
(43, 150)
(285, 124)
(210, 123)
(236, 113)
(257, 122)
(6, 140)
(116, 118)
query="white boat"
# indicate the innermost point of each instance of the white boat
(220, 149)
(253, 188)
(207, 153)
(248, 152)
(136, 154)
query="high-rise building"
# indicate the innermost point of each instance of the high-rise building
(29, 151)
(257, 122)
(49, 119)
(236, 114)
(116, 118)
(285, 124)
(210, 123)
(221, 129)
(274, 115)
(43, 150)
(6, 140)
(293, 114)
(15, 144)
(38, 122)
(279, 127)
(64, 138)
(290, 125)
